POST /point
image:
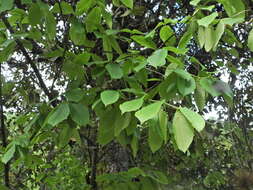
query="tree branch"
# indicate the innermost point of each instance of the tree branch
(29, 60)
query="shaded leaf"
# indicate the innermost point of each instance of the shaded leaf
(79, 113)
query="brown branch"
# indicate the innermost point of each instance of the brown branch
(29, 60)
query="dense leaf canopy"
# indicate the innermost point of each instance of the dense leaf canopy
(126, 94)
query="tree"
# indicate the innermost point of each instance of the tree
(99, 94)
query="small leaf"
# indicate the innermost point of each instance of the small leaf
(149, 112)
(165, 33)
(131, 105)
(9, 154)
(114, 70)
(250, 40)
(183, 131)
(194, 119)
(109, 97)
(146, 42)
(128, 3)
(59, 114)
(79, 113)
(205, 21)
(158, 58)
(163, 123)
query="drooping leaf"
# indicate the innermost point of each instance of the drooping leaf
(59, 114)
(9, 154)
(79, 113)
(149, 112)
(131, 105)
(146, 42)
(209, 38)
(134, 144)
(206, 21)
(196, 120)
(163, 124)
(65, 135)
(218, 33)
(109, 97)
(158, 58)
(155, 138)
(121, 122)
(200, 97)
(50, 25)
(183, 131)
(201, 36)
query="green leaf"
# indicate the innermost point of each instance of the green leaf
(196, 120)
(155, 138)
(250, 40)
(3, 187)
(201, 36)
(50, 26)
(185, 39)
(35, 15)
(131, 105)
(218, 33)
(121, 122)
(159, 177)
(183, 131)
(207, 84)
(165, 33)
(65, 135)
(200, 97)
(79, 113)
(6, 5)
(146, 42)
(59, 114)
(128, 3)
(134, 144)
(82, 6)
(194, 2)
(114, 70)
(106, 127)
(75, 95)
(9, 154)
(158, 58)
(163, 123)
(206, 21)
(93, 19)
(209, 38)
(149, 112)
(77, 33)
(107, 47)
(109, 97)
(185, 82)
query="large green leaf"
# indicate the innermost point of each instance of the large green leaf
(131, 105)
(82, 6)
(50, 25)
(206, 21)
(79, 113)
(59, 114)
(250, 40)
(209, 38)
(146, 42)
(183, 131)
(75, 95)
(218, 33)
(149, 112)
(35, 15)
(65, 135)
(6, 5)
(158, 58)
(196, 120)
(109, 97)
